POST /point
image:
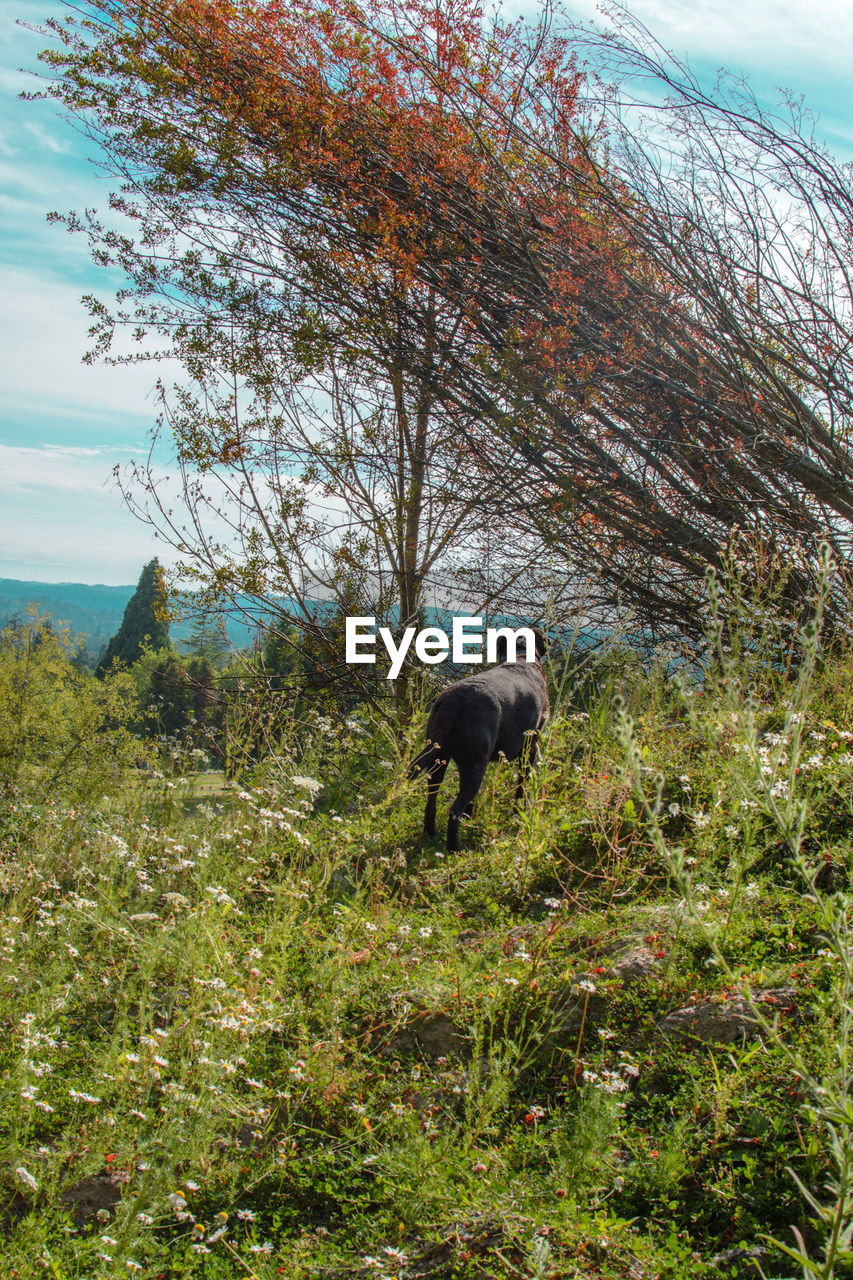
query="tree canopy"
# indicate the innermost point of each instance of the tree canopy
(633, 320)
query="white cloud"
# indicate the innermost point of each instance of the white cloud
(73, 451)
(43, 337)
(755, 33)
(104, 546)
(795, 44)
(62, 520)
(51, 139)
(793, 33)
(25, 175)
(74, 470)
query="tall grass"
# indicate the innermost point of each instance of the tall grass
(266, 1030)
(773, 783)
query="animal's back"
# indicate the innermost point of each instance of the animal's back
(464, 714)
(490, 711)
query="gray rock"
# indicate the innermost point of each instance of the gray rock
(434, 1034)
(726, 1021)
(100, 1191)
(740, 1264)
(640, 962)
(421, 1029)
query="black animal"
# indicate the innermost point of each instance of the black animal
(495, 712)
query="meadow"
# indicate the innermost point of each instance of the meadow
(450, 308)
(260, 1028)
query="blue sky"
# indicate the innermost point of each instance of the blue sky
(64, 425)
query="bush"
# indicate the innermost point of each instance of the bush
(60, 728)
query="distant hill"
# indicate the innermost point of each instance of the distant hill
(93, 611)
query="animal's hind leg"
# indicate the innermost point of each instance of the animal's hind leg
(528, 758)
(471, 777)
(435, 777)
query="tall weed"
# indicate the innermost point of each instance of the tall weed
(772, 783)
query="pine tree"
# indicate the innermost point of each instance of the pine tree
(145, 621)
(208, 639)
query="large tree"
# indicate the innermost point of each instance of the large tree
(641, 335)
(145, 623)
(316, 461)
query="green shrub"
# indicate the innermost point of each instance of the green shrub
(61, 730)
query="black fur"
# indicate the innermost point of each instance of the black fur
(495, 712)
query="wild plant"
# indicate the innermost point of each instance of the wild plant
(773, 783)
(61, 730)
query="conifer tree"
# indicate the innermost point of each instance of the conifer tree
(145, 621)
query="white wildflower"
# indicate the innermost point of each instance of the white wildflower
(311, 785)
(219, 895)
(27, 1178)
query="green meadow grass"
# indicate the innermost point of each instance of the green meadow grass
(264, 1030)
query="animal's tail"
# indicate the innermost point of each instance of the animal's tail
(424, 760)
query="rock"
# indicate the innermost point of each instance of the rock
(516, 938)
(781, 999)
(421, 1029)
(92, 1194)
(437, 1036)
(248, 1136)
(640, 962)
(725, 1021)
(740, 1264)
(576, 1004)
(341, 883)
(434, 1034)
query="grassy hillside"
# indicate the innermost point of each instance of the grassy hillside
(269, 1032)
